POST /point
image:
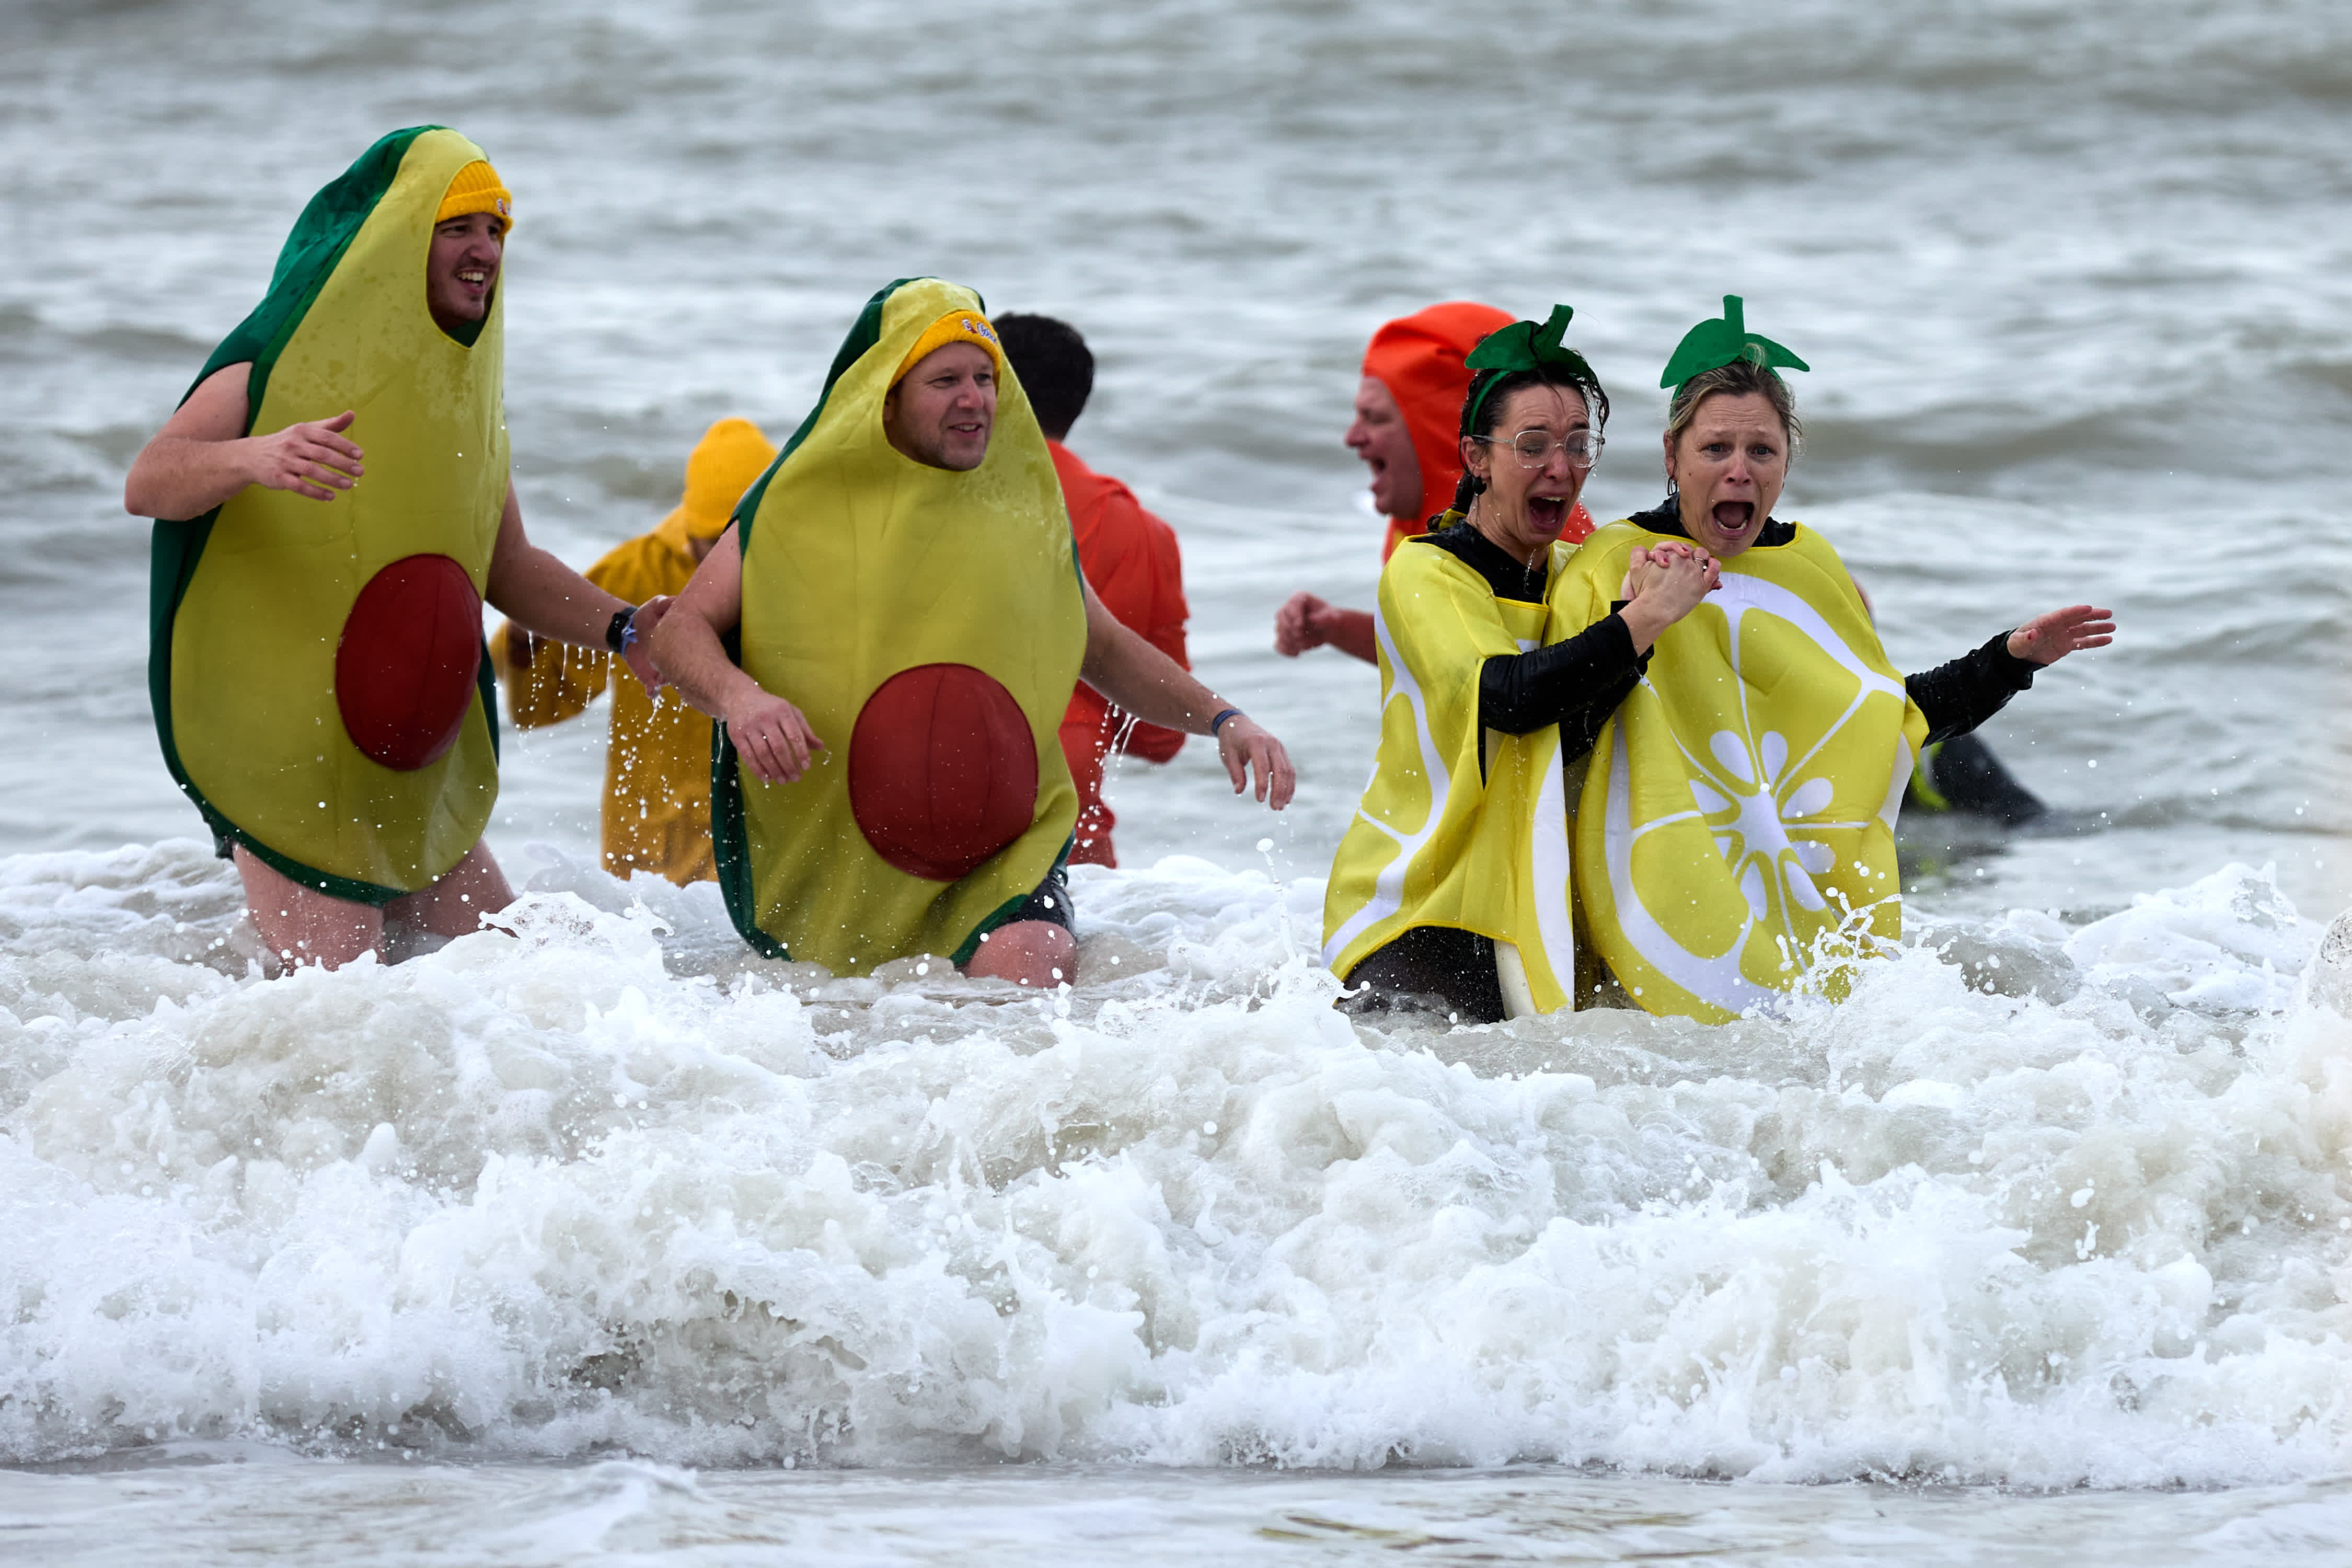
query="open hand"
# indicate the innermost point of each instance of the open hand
(2047, 639)
(773, 737)
(312, 458)
(1244, 746)
(640, 653)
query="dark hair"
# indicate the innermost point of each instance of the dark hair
(1481, 406)
(1738, 379)
(1054, 365)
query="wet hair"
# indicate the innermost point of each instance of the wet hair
(1497, 386)
(1738, 379)
(1054, 365)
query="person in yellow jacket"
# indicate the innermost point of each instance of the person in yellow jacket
(657, 813)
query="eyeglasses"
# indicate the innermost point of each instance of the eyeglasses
(1535, 447)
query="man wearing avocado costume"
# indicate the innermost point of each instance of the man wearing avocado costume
(1738, 808)
(656, 814)
(910, 615)
(334, 507)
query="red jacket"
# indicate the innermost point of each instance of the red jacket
(1130, 557)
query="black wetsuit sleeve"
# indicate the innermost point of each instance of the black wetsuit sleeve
(1961, 695)
(1575, 684)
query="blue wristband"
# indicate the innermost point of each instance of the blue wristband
(1218, 723)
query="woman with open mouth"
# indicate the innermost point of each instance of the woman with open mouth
(1450, 892)
(1735, 827)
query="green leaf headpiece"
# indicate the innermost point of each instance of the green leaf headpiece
(1711, 345)
(1526, 345)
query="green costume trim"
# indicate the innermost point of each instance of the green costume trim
(1525, 345)
(1713, 344)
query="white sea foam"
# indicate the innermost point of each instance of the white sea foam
(2037, 1206)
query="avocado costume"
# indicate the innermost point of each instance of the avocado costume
(315, 667)
(1460, 826)
(930, 625)
(1742, 801)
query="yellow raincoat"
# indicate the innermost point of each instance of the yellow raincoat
(656, 814)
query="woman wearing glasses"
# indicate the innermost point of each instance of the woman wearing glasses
(1736, 822)
(1450, 890)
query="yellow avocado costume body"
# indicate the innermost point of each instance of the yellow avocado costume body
(251, 603)
(657, 813)
(1742, 800)
(861, 566)
(1459, 826)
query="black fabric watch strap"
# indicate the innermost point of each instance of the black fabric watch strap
(616, 636)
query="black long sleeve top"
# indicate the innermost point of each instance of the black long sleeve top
(1578, 683)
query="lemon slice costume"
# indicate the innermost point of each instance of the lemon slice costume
(1460, 826)
(316, 668)
(930, 624)
(1743, 799)
(1737, 819)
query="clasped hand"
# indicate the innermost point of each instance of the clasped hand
(1680, 575)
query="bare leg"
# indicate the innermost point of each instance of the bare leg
(303, 925)
(1027, 952)
(454, 905)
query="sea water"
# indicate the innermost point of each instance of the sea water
(598, 1235)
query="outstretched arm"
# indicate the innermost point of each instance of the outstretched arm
(1157, 690)
(1961, 695)
(544, 597)
(202, 455)
(770, 735)
(2047, 639)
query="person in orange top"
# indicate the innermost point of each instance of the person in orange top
(657, 813)
(1407, 431)
(1128, 554)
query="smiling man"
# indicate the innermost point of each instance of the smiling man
(316, 666)
(904, 594)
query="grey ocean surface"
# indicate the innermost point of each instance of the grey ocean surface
(2066, 1207)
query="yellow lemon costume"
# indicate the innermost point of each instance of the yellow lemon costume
(1742, 801)
(1460, 826)
(319, 688)
(657, 813)
(930, 624)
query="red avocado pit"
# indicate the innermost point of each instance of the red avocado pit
(942, 770)
(405, 667)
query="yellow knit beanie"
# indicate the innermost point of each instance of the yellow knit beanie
(724, 463)
(475, 188)
(955, 327)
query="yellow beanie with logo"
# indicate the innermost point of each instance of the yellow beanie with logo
(477, 188)
(955, 327)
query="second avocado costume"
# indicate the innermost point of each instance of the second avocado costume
(1742, 800)
(316, 667)
(930, 625)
